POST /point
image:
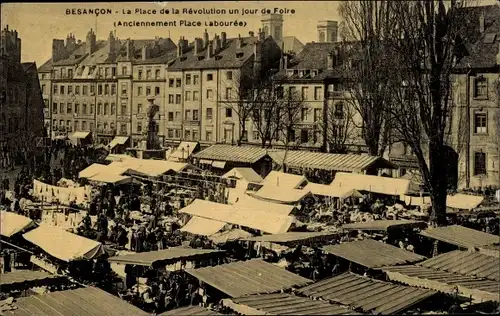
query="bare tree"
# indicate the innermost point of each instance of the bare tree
(365, 26)
(424, 53)
(339, 127)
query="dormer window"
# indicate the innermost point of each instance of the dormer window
(301, 73)
(239, 55)
(183, 58)
(295, 72)
(201, 57)
(314, 73)
(290, 73)
(218, 57)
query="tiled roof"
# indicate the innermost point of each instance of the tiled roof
(248, 277)
(166, 255)
(461, 236)
(227, 56)
(46, 67)
(243, 154)
(191, 310)
(372, 254)
(313, 56)
(482, 48)
(365, 294)
(22, 276)
(292, 44)
(283, 304)
(466, 263)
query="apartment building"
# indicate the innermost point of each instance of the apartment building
(90, 86)
(21, 103)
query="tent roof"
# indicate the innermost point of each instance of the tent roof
(372, 254)
(382, 225)
(250, 203)
(248, 277)
(245, 174)
(12, 223)
(166, 255)
(463, 201)
(280, 195)
(255, 219)
(64, 245)
(184, 150)
(375, 184)
(118, 140)
(283, 180)
(292, 237)
(21, 276)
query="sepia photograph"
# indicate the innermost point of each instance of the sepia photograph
(250, 158)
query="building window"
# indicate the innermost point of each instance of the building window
(77, 90)
(84, 108)
(106, 89)
(178, 83)
(148, 74)
(123, 128)
(106, 108)
(317, 136)
(70, 89)
(291, 91)
(187, 134)
(195, 135)
(124, 71)
(77, 126)
(317, 115)
(113, 89)
(54, 108)
(99, 89)
(481, 87)
(255, 135)
(85, 90)
(157, 74)
(70, 73)
(187, 115)
(280, 92)
(69, 108)
(77, 108)
(177, 115)
(479, 163)
(99, 108)
(61, 108)
(303, 114)
(148, 90)
(195, 95)
(84, 125)
(209, 113)
(113, 110)
(210, 94)
(188, 96)
(56, 89)
(170, 133)
(124, 88)
(229, 75)
(339, 111)
(480, 123)
(139, 74)
(170, 83)
(170, 116)
(317, 93)
(92, 89)
(229, 112)
(195, 79)
(208, 136)
(188, 79)
(139, 91)
(157, 90)
(124, 107)
(178, 98)
(304, 136)
(305, 91)
(61, 90)
(43, 88)
(139, 127)
(210, 77)
(139, 108)
(229, 93)
(171, 99)
(195, 115)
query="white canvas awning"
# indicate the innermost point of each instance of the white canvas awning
(80, 135)
(463, 201)
(283, 180)
(206, 162)
(118, 140)
(374, 184)
(202, 226)
(110, 178)
(184, 150)
(12, 223)
(281, 195)
(64, 245)
(331, 191)
(219, 164)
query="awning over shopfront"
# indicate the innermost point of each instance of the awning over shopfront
(64, 245)
(219, 164)
(118, 140)
(248, 277)
(12, 223)
(244, 174)
(170, 255)
(374, 184)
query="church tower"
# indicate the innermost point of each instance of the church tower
(272, 24)
(327, 31)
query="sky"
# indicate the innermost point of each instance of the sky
(38, 23)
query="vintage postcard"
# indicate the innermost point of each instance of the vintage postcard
(250, 157)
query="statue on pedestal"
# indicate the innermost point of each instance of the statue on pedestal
(152, 130)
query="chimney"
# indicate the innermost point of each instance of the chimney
(330, 61)
(481, 22)
(257, 64)
(285, 62)
(251, 34)
(145, 52)
(58, 50)
(262, 35)
(223, 39)
(180, 47)
(111, 43)
(238, 42)
(216, 44)
(198, 45)
(130, 49)
(210, 52)
(205, 38)
(90, 44)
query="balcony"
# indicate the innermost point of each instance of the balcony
(335, 94)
